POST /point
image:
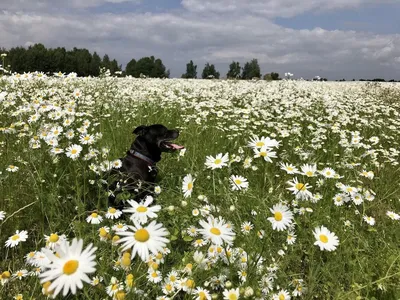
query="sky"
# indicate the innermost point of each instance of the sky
(332, 38)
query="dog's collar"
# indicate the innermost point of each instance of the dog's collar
(142, 157)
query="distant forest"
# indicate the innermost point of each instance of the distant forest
(81, 61)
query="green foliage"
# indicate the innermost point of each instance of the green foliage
(50, 60)
(147, 66)
(191, 70)
(209, 72)
(251, 70)
(234, 70)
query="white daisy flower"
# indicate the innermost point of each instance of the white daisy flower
(299, 189)
(369, 220)
(217, 231)
(265, 152)
(12, 168)
(232, 294)
(19, 236)
(326, 240)
(187, 185)
(73, 151)
(2, 215)
(238, 183)
(144, 240)
(218, 162)
(140, 212)
(54, 239)
(289, 168)
(70, 267)
(393, 215)
(113, 213)
(94, 218)
(308, 170)
(282, 218)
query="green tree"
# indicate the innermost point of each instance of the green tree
(234, 70)
(95, 64)
(130, 67)
(251, 69)
(275, 76)
(191, 70)
(209, 72)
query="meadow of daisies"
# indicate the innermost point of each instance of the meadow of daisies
(285, 190)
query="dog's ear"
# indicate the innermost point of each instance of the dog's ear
(141, 130)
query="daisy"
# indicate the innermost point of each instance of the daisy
(267, 153)
(187, 185)
(199, 243)
(40, 260)
(19, 297)
(369, 220)
(20, 274)
(114, 287)
(357, 198)
(2, 215)
(247, 227)
(104, 233)
(328, 173)
(120, 227)
(17, 238)
(54, 239)
(308, 170)
(216, 231)
(282, 295)
(393, 215)
(232, 294)
(238, 182)
(70, 267)
(12, 168)
(94, 218)
(289, 168)
(157, 190)
(201, 294)
(144, 240)
(140, 212)
(86, 139)
(291, 238)
(73, 151)
(168, 288)
(154, 276)
(299, 189)
(5, 277)
(117, 164)
(282, 218)
(113, 213)
(192, 231)
(96, 280)
(326, 240)
(256, 142)
(218, 162)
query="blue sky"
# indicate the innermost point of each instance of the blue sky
(334, 39)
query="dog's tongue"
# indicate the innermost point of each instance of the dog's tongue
(175, 146)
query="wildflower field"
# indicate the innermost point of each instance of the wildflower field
(285, 190)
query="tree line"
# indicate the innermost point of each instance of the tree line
(81, 61)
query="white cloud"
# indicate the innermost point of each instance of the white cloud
(177, 37)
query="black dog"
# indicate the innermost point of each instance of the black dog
(138, 171)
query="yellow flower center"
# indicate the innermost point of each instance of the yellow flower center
(168, 287)
(309, 173)
(142, 235)
(263, 154)
(232, 296)
(74, 151)
(103, 232)
(114, 287)
(5, 275)
(215, 231)
(172, 278)
(260, 144)
(328, 173)
(159, 255)
(301, 186)
(154, 275)
(141, 209)
(238, 181)
(19, 274)
(278, 216)
(202, 296)
(112, 210)
(15, 237)
(70, 267)
(217, 161)
(86, 138)
(190, 186)
(53, 237)
(94, 215)
(323, 238)
(190, 283)
(120, 295)
(289, 168)
(281, 297)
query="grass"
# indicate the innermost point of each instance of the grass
(314, 122)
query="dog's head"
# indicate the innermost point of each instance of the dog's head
(158, 137)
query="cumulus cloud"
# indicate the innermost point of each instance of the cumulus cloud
(178, 36)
